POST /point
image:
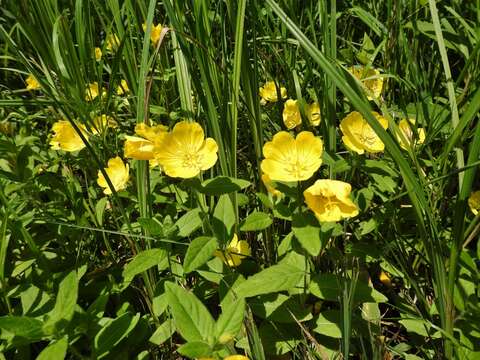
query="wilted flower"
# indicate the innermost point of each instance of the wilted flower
(369, 79)
(235, 252)
(66, 138)
(330, 200)
(359, 136)
(117, 172)
(32, 83)
(123, 87)
(292, 159)
(143, 148)
(101, 122)
(474, 202)
(313, 114)
(406, 138)
(291, 114)
(269, 186)
(268, 92)
(98, 54)
(112, 42)
(154, 33)
(184, 151)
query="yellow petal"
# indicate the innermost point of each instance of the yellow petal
(98, 54)
(32, 83)
(118, 174)
(123, 87)
(268, 92)
(314, 115)
(236, 357)
(474, 202)
(291, 114)
(138, 148)
(66, 138)
(152, 133)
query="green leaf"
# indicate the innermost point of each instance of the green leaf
(199, 252)
(256, 221)
(230, 321)
(114, 332)
(329, 324)
(192, 318)
(56, 350)
(152, 225)
(189, 222)
(308, 233)
(22, 326)
(279, 277)
(65, 302)
(418, 326)
(327, 286)
(280, 308)
(223, 185)
(224, 219)
(143, 261)
(163, 332)
(195, 349)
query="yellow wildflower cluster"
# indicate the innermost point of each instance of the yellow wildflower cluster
(155, 33)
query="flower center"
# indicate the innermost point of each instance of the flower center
(296, 169)
(192, 160)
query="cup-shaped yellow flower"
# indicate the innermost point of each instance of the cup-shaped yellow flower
(313, 114)
(101, 123)
(235, 252)
(359, 136)
(143, 148)
(407, 138)
(369, 77)
(291, 114)
(98, 54)
(92, 91)
(112, 42)
(155, 33)
(292, 159)
(269, 186)
(123, 87)
(474, 202)
(66, 138)
(330, 200)
(184, 151)
(268, 92)
(117, 172)
(32, 83)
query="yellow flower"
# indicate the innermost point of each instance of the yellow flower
(123, 87)
(289, 159)
(66, 138)
(474, 202)
(291, 114)
(235, 252)
(98, 54)
(385, 279)
(184, 151)
(358, 136)
(117, 172)
(32, 83)
(369, 79)
(313, 113)
(236, 357)
(269, 186)
(112, 42)
(406, 138)
(143, 148)
(101, 122)
(155, 33)
(268, 92)
(92, 91)
(330, 200)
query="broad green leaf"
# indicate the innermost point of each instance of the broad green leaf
(327, 286)
(280, 308)
(152, 225)
(279, 339)
(65, 301)
(163, 332)
(195, 349)
(418, 326)
(223, 185)
(22, 326)
(230, 321)
(199, 252)
(224, 219)
(189, 222)
(192, 319)
(308, 233)
(279, 277)
(114, 332)
(56, 350)
(329, 324)
(143, 261)
(256, 221)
